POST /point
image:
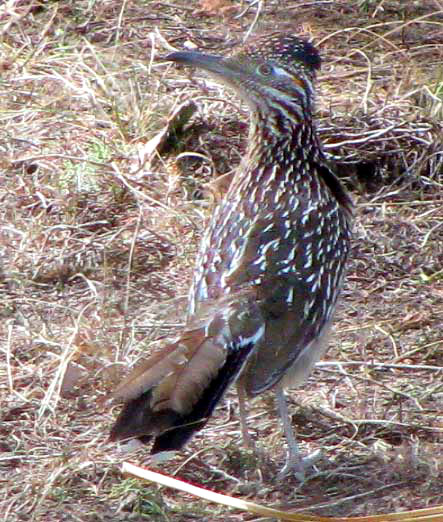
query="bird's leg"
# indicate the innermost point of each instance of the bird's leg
(294, 462)
(246, 436)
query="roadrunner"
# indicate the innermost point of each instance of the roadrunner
(270, 266)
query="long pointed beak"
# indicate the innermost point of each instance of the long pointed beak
(216, 65)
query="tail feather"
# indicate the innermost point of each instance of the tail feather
(180, 390)
(172, 394)
(144, 419)
(148, 374)
(138, 421)
(183, 427)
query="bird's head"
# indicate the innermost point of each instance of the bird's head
(270, 71)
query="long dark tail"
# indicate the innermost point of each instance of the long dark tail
(173, 394)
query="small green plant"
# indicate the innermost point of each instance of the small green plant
(84, 175)
(137, 498)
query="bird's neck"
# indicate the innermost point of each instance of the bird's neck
(279, 143)
(285, 127)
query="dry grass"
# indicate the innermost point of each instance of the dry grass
(98, 249)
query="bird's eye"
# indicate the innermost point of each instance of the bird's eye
(264, 69)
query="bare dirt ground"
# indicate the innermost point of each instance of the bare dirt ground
(99, 231)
